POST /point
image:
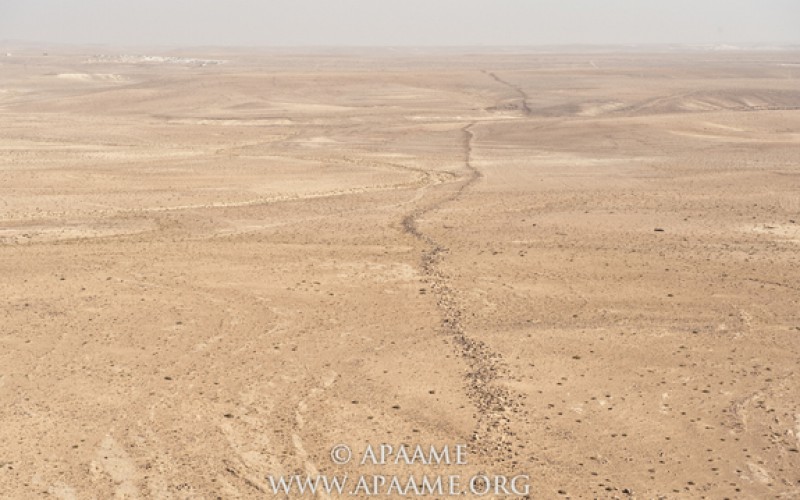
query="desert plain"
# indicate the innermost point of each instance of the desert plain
(216, 265)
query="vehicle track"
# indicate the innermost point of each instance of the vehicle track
(522, 94)
(495, 404)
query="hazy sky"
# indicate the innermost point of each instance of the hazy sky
(400, 22)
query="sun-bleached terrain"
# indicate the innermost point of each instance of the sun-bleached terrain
(217, 266)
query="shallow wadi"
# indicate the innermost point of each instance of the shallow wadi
(581, 266)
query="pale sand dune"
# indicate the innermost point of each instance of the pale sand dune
(91, 77)
(214, 273)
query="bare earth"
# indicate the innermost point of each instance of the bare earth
(585, 267)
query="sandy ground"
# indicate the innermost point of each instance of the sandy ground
(217, 266)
